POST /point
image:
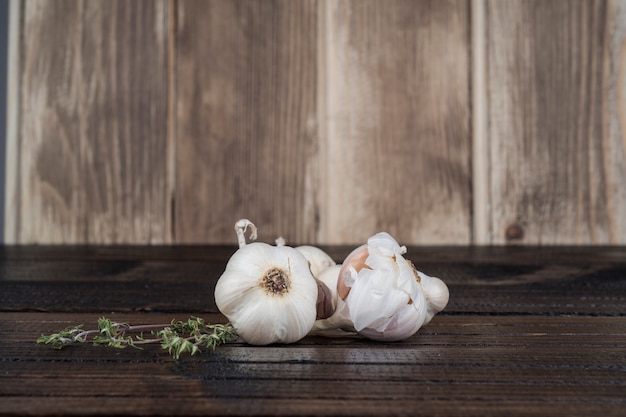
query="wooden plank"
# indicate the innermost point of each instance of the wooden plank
(300, 388)
(395, 147)
(483, 281)
(202, 406)
(504, 335)
(198, 367)
(91, 162)
(149, 287)
(455, 367)
(494, 257)
(328, 111)
(557, 153)
(246, 119)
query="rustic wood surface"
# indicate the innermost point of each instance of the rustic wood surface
(319, 120)
(397, 113)
(298, 115)
(91, 154)
(556, 147)
(528, 331)
(441, 122)
(246, 118)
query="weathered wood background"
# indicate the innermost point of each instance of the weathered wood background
(441, 122)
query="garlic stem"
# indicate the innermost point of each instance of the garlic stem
(240, 228)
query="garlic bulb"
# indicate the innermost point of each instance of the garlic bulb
(273, 294)
(381, 295)
(267, 292)
(318, 259)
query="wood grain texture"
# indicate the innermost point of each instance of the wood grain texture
(506, 281)
(456, 365)
(322, 121)
(557, 147)
(396, 140)
(93, 123)
(528, 331)
(247, 122)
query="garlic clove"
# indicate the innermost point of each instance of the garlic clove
(374, 297)
(436, 293)
(328, 277)
(405, 322)
(318, 259)
(339, 322)
(324, 305)
(268, 294)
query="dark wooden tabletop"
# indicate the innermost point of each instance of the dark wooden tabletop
(527, 331)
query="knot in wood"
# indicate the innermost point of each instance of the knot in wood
(514, 232)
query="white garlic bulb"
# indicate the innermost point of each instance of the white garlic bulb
(318, 259)
(268, 293)
(384, 298)
(381, 295)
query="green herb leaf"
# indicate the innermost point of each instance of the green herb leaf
(178, 337)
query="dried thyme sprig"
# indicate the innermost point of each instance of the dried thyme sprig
(178, 337)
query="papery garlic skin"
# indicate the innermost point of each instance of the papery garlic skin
(340, 320)
(381, 295)
(405, 322)
(385, 301)
(268, 293)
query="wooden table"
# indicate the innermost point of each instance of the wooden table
(528, 331)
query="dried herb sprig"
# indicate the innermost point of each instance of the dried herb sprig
(191, 336)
